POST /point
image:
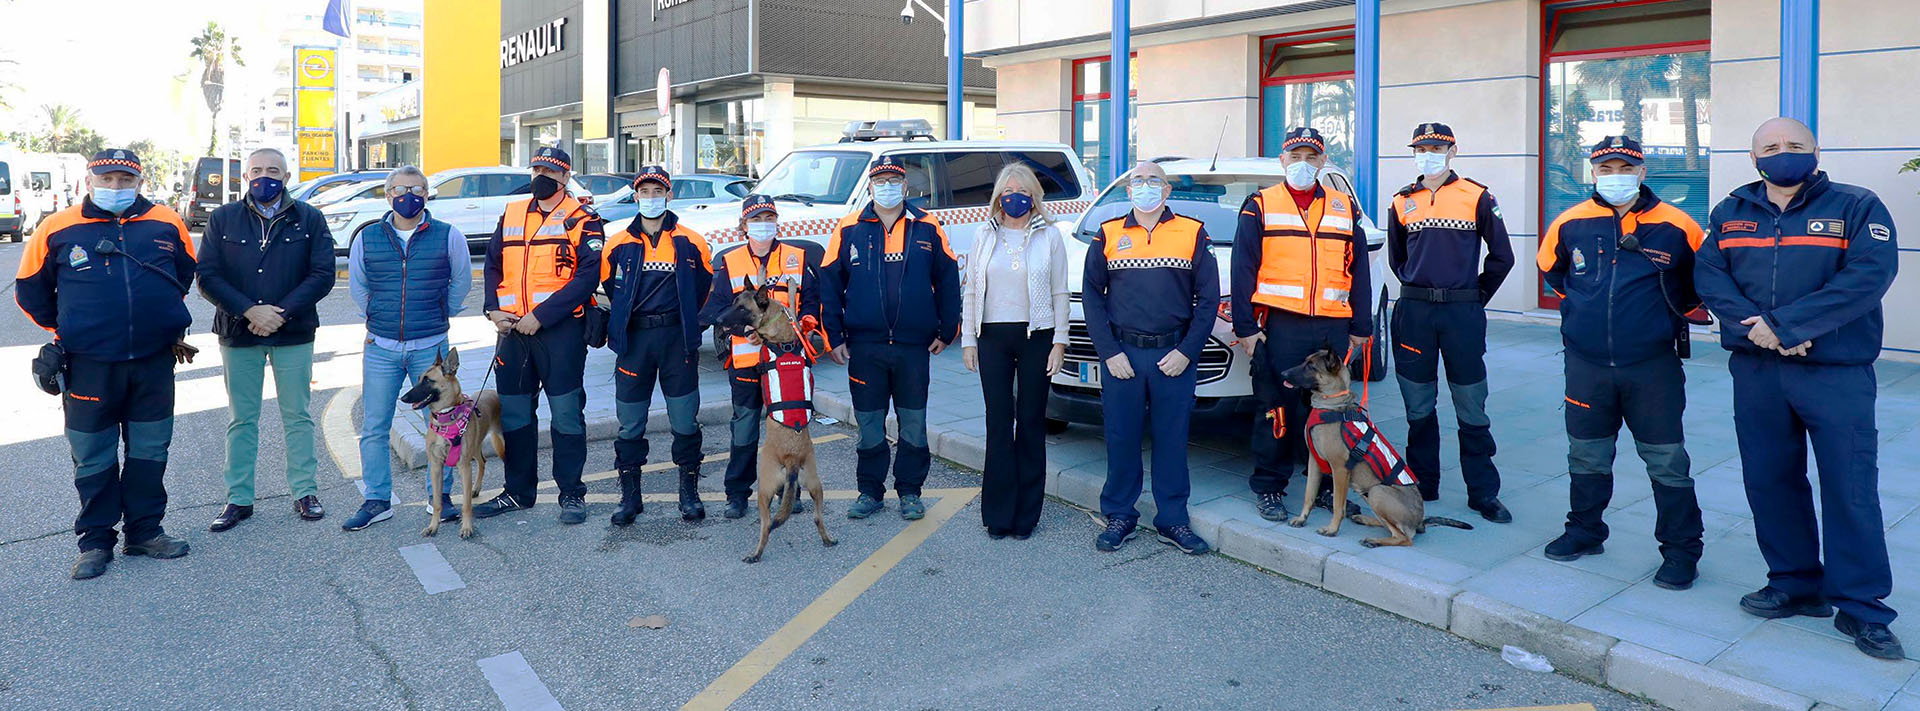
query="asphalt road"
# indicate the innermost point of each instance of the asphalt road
(281, 613)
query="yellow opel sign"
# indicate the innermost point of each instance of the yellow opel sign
(314, 110)
(313, 67)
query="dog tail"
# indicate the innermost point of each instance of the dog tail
(1444, 521)
(788, 495)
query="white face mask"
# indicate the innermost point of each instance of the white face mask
(1618, 189)
(1301, 174)
(1433, 163)
(1147, 198)
(652, 207)
(762, 232)
(889, 195)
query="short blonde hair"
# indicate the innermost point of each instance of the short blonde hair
(1026, 178)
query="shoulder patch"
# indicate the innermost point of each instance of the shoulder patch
(1483, 186)
(594, 244)
(1880, 232)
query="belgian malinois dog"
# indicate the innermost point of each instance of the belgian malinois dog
(458, 430)
(1397, 507)
(786, 452)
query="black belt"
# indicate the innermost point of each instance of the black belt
(1139, 339)
(1439, 296)
(671, 318)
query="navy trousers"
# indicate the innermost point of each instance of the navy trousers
(1290, 339)
(1779, 405)
(879, 375)
(552, 360)
(1649, 397)
(1422, 332)
(109, 405)
(1128, 407)
(656, 355)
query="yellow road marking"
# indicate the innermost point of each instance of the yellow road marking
(763, 659)
(655, 467)
(343, 439)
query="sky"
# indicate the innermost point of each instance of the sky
(125, 63)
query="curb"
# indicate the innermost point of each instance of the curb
(1579, 652)
(409, 443)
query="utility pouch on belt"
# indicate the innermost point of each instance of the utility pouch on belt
(50, 369)
(598, 319)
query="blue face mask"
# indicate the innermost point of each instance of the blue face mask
(1617, 189)
(1787, 169)
(889, 195)
(265, 190)
(409, 205)
(1016, 205)
(114, 200)
(1147, 198)
(1430, 163)
(652, 207)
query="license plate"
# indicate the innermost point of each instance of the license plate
(1090, 373)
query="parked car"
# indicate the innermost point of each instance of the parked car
(468, 198)
(602, 183)
(818, 185)
(342, 192)
(309, 189)
(697, 191)
(10, 206)
(1209, 191)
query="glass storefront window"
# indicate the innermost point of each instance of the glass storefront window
(729, 136)
(1639, 70)
(819, 120)
(1307, 80)
(1091, 91)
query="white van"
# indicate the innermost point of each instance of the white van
(10, 206)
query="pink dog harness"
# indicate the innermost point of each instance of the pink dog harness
(452, 426)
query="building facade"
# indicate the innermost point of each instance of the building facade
(748, 80)
(385, 50)
(1526, 84)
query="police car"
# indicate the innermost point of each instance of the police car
(818, 185)
(1210, 191)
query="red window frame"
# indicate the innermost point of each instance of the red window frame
(1551, 28)
(1300, 37)
(1133, 92)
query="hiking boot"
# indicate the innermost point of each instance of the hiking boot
(1676, 574)
(1872, 638)
(1568, 547)
(736, 508)
(92, 563)
(230, 516)
(1773, 603)
(691, 508)
(911, 508)
(371, 512)
(1183, 538)
(573, 509)
(498, 505)
(161, 546)
(1273, 507)
(866, 506)
(630, 504)
(1119, 529)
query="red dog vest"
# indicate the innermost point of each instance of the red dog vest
(786, 384)
(1364, 443)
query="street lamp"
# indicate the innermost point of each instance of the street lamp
(953, 22)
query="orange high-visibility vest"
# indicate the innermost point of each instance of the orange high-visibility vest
(785, 267)
(1306, 258)
(538, 253)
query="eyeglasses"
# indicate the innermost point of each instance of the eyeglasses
(398, 190)
(1147, 182)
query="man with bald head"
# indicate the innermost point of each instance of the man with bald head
(1147, 342)
(1795, 265)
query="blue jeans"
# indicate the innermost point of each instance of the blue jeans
(384, 374)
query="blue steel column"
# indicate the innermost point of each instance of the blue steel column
(1120, 91)
(1366, 80)
(1800, 61)
(956, 62)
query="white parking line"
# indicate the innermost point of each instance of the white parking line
(433, 570)
(517, 686)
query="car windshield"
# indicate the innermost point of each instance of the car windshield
(816, 176)
(341, 193)
(1213, 199)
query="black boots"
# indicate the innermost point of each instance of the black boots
(630, 502)
(690, 507)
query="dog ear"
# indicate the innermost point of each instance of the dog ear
(451, 363)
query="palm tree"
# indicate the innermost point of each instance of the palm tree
(214, 49)
(1634, 77)
(1692, 81)
(62, 121)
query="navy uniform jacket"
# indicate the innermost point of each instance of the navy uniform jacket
(890, 286)
(639, 274)
(1434, 237)
(1815, 271)
(1620, 307)
(1152, 283)
(99, 306)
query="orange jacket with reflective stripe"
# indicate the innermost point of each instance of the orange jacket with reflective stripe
(1434, 237)
(100, 306)
(546, 264)
(785, 268)
(1306, 262)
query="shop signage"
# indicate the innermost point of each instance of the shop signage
(533, 44)
(404, 106)
(659, 5)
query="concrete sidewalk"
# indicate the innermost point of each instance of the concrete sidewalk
(1599, 618)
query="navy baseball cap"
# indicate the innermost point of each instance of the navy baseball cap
(654, 173)
(1304, 136)
(755, 204)
(115, 159)
(885, 165)
(1617, 147)
(1432, 134)
(554, 157)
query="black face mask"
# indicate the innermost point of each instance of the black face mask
(544, 187)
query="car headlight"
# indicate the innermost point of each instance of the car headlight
(339, 221)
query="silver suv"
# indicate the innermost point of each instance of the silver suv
(468, 198)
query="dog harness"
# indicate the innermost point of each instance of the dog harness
(1364, 443)
(452, 426)
(786, 383)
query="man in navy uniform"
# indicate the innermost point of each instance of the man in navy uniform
(1795, 265)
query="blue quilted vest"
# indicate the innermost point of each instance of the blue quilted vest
(406, 296)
